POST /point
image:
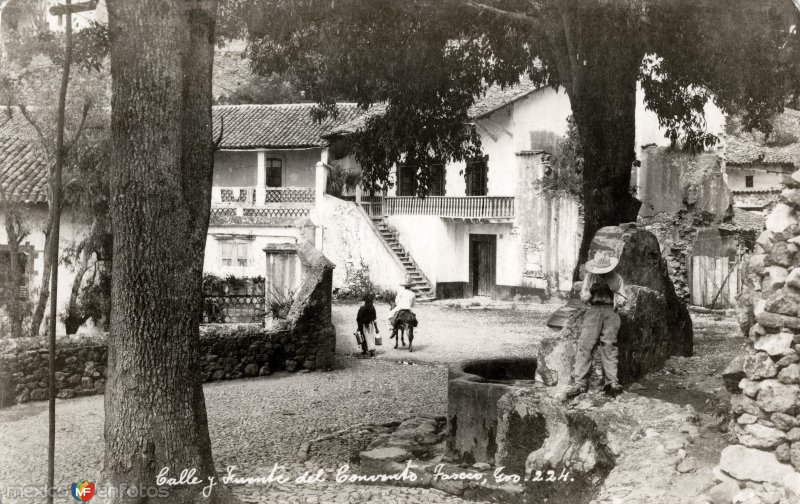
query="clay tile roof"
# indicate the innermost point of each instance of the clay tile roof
(282, 126)
(745, 221)
(23, 170)
(748, 148)
(495, 98)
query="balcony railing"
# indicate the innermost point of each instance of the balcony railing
(261, 196)
(455, 207)
(261, 202)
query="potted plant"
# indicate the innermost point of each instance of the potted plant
(278, 307)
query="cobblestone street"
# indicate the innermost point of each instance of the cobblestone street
(303, 421)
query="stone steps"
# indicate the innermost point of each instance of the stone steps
(420, 285)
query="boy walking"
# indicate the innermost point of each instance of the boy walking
(602, 291)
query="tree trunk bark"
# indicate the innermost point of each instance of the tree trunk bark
(161, 62)
(604, 108)
(14, 305)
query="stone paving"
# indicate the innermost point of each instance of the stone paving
(256, 423)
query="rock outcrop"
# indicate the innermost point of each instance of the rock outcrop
(655, 322)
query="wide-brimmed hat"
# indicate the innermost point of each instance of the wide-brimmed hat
(602, 263)
(408, 282)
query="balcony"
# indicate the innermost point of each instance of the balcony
(477, 208)
(259, 203)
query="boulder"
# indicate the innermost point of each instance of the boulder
(791, 482)
(775, 344)
(733, 374)
(783, 453)
(781, 218)
(537, 431)
(788, 359)
(741, 404)
(784, 301)
(655, 322)
(783, 254)
(759, 365)
(723, 493)
(746, 496)
(756, 435)
(745, 419)
(774, 396)
(790, 374)
(793, 280)
(777, 321)
(794, 455)
(745, 463)
(791, 197)
(775, 277)
(748, 388)
(765, 240)
(784, 421)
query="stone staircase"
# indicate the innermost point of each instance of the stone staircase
(420, 284)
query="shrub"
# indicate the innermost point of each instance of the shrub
(358, 284)
(280, 303)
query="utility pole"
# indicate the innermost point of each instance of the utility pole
(55, 185)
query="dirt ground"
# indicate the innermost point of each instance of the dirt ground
(450, 331)
(257, 422)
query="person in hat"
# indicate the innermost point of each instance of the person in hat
(367, 325)
(602, 290)
(403, 301)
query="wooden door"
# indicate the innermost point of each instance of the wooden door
(482, 264)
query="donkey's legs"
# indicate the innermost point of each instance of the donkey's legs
(411, 338)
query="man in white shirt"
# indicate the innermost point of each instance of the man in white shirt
(403, 301)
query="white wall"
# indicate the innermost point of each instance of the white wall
(762, 179)
(255, 238)
(349, 237)
(649, 132)
(508, 131)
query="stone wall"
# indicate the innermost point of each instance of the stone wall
(765, 413)
(229, 351)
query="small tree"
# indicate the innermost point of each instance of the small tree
(27, 88)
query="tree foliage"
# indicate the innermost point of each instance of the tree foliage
(426, 61)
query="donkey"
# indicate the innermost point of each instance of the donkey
(404, 322)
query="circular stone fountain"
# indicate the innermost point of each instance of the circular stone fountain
(473, 389)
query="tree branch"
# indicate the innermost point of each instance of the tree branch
(33, 123)
(86, 107)
(517, 16)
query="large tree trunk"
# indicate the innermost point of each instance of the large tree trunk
(602, 93)
(161, 61)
